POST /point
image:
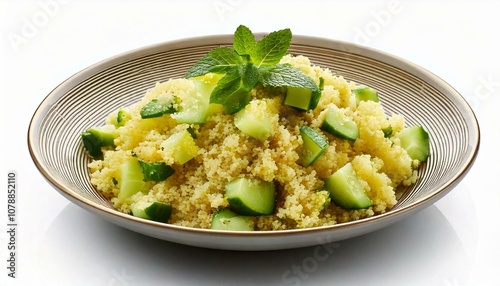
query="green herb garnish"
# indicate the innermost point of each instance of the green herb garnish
(248, 63)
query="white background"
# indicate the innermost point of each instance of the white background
(454, 242)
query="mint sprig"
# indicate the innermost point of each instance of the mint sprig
(219, 60)
(232, 90)
(244, 41)
(248, 63)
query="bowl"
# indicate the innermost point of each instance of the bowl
(86, 98)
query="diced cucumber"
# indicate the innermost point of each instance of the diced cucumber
(92, 145)
(301, 98)
(314, 144)
(254, 120)
(341, 128)
(122, 117)
(157, 107)
(180, 146)
(365, 94)
(229, 220)
(155, 211)
(387, 131)
(156, 171)
(131, 179)
(251, 196)
(192, 132)
(346, 190)
(96, 137)
(298, 97)
(415, 140)
(196, 107)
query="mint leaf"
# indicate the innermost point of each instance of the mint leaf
(218, 60)
(270, 49)
(244, 41)
(233, 89)
(282, 75)
(249, 76)
(285, 75)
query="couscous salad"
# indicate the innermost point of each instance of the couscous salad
(254, 138)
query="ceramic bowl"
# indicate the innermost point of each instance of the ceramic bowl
(86, 98)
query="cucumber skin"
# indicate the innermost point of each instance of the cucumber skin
(345, 189)
(157, 171)
(234, 193)
(155, 211)
(158, 212)
(415, 140)
(156, 108)
(122, 117)
(228, 220)
(332, 124)
(387, 131)
(313, 97)
(365, 94)
(95, 138)
(318, 139)
(238, 206)
(91, 145)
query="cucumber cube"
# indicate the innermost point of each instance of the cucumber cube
(341, 128)
(157, 107)
(365, 94)
(96, 137)
(131, 179)
(298, 97)
(119, 118)
(415, 140)
(346, 190)
(196, 107)
(156, 171)
(251, 196)
(314, 144)
(387, 131)
(254, 120)
(155, 211)
(180, 146)
(229, 220)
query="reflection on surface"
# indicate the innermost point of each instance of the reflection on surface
(416, 251)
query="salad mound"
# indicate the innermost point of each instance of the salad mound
(254, 138)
